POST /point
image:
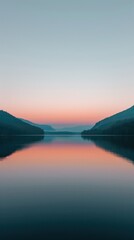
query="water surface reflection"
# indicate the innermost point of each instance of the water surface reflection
(67, 188)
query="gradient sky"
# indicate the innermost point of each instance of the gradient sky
(66, 61)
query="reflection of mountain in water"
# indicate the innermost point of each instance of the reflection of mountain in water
(9, 145)
(63, 139)
(13, 144)
(120, 145)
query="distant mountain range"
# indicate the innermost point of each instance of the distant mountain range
(60, 131)
(11, 126)
(119, 124)
(42, 126)
(77, 129)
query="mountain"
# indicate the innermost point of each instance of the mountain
(119, 124)
(42, 126)
(77, 129)
(61, 133)
(10, 126)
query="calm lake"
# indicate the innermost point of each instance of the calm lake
(66, 188)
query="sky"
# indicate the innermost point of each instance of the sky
(66, 62)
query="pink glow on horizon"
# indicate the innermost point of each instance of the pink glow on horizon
(69, 116)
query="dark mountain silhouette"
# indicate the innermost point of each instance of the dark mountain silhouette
(119, 124)
(42, 126)
(10, 125)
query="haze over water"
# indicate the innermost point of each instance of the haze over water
(66, 188)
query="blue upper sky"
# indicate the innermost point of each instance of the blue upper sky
(66, 61)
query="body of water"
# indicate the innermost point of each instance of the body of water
(66, 188)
